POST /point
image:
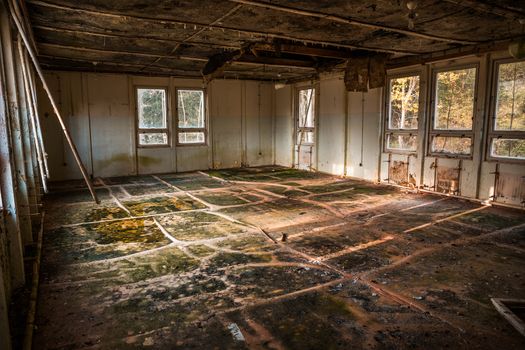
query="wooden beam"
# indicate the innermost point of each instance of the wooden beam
(248, 60)
(493, 9)
(359, 23)
(130, 69)
(303, 50)
(263, 35)
(283, 47)
(133, 37)
(218, 20)
(448, 54)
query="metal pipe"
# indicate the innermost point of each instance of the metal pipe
(51, 99)
(37, 121)
(32, 116)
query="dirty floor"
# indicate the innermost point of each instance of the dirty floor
(274, 258)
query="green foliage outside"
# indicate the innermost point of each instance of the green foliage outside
(404, 103)
(451, 144)
(455, 99)
(191, 108)
(152, 108)
(404, 112)
(510, 110)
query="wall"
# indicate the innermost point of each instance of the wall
(284, 126)
(100, 113)
(356, 120)
(343, 117)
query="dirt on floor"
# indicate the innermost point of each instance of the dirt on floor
(274, 258)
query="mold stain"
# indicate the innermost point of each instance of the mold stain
(129, 231)
(107, 213)
(160, 205)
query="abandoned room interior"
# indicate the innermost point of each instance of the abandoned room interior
(262, 174)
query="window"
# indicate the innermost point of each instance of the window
(453, 112)
(305, 116)
(191, 120)
(402, 114)
(152, 117)
(507, 135)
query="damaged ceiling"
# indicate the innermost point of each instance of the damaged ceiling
(268, 40)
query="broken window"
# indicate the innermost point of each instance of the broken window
(152, 117)
(403, 114)
(508, 127)
(191, 117)
(453, 112)
(306, 116)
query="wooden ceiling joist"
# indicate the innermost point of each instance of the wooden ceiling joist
(246, 60)
(283, 47)
(104, 66)
(350, 21)
(303, 50)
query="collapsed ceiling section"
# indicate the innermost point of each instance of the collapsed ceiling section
(275, 40)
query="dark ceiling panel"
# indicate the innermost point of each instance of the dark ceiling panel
(180, 36)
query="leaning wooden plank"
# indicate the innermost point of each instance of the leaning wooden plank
(38, 69)
(515, 321)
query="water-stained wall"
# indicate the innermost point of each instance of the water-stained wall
(100, 112)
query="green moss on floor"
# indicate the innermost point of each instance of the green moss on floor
(199, 226)
(159, 205)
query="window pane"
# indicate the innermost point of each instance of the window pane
(152, 108)
(401, 142)
(160, 138)
(510, 105)
(451, 145)
(509, 148)
(306, 108)
(191, 108)
(191, 137)
(404, 103)
(455, 99)
(305, 137)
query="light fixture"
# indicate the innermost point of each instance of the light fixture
(411, 5)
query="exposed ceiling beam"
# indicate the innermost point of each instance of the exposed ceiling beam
(302, 50)
(264, 35)
(247, 60)
(492, 9)
(339, 19)
(448, 54)
(177, 47)
(132, 36)
(282, 47)
(59, 63)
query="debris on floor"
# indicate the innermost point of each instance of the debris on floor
(272, 257)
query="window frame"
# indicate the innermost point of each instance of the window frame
(184, 130)
(296, 116)
(432, 132)
(166, 130)
(492, 133)
(386, 122)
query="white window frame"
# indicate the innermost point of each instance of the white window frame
(165, 130)
(179, 130)
(491, 132)
(403, 132)
(432, 132)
